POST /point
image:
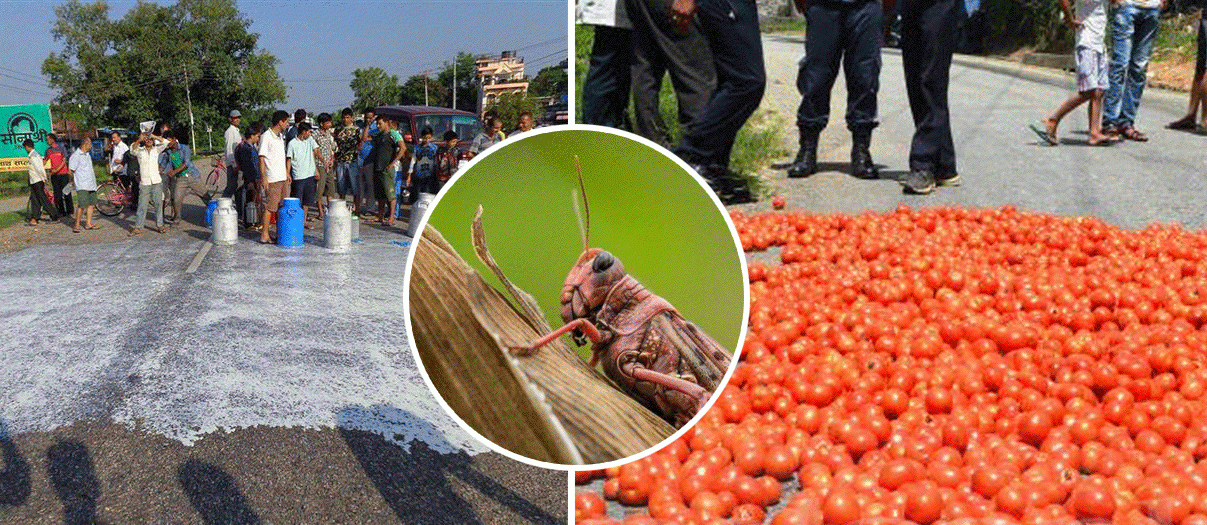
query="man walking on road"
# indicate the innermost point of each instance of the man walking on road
(274, 177)
(148, 149)
(846, 31)
(732, 30)
(37, 187)
(84, 178)
(1133, 31)
(928, 39)
(185, 176)
(232, 137)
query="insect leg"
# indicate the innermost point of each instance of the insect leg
(674, 383)
(578, 324)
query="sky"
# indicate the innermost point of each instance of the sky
(317, 67)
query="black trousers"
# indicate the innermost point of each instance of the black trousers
(62, 203)
(660, 48)
(606, 87)
(429, 184)
(232, 182)
(846, 32)
(732, 30)
(929, 29)
(38, 202)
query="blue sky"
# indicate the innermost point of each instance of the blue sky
(318, 66)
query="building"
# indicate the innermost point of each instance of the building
(499, 75)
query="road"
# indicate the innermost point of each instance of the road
(267, 386)
(1000, 160)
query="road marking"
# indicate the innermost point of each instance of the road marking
(200, 257)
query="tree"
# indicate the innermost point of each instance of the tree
(549, 81)
(467, 86)
(372, 87)
(510, 105)
(413, 91)
(151, 62)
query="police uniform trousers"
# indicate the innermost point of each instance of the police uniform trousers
(929, 29)
(659, 48)
(606, 87)
(732, 30)
(846, 32)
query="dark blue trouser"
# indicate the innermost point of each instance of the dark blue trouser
(732, 30)
(846, 32)
(660, 48)
(606, 88)
(928, 39)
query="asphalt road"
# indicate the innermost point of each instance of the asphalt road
(1000, 161)
(268, 386)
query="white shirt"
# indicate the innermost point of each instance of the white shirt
(272, 150)
(148, 162)
(81, 171)
(233, 138)
(609, 13)
(119, 151)
(37, 168)
(1150, 4)
(1092, 33)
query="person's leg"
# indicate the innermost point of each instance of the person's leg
(815, 77)
(180, 188)
(648, 67)
(732, 30)
(1069, 104)
(1121, 52)
(140, 216)
(1144, 26)
(232, 182)
(861, 64)
(606, 87)
(693, 84)
(78, 215)
(35, 204)
(157, 202)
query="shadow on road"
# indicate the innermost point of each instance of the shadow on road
(14, 479)
(69, 468)
(416, 484)
(215, 494)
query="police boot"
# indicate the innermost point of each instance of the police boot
(805, 163)
(861, 159)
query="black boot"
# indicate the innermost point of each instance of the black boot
(805, 163)
(861, 159)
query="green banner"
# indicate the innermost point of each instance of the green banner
(18, 123)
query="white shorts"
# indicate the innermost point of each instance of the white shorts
(1091, 69)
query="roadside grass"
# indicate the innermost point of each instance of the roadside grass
(13, 217)
(782, 25)
(1177, 39)
(758, 142)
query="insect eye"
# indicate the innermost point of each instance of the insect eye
(603, 261)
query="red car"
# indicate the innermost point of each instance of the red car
(412, 119)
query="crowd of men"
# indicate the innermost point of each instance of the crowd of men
(364, 162)
(712, 52)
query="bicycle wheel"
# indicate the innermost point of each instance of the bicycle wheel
(215, 178)
(104, 199)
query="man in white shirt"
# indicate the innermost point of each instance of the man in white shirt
(117, 158)
(147, 149)
(274, 175)
(232, 138)
(37, 187)
(84, 178)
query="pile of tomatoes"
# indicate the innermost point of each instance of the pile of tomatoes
(953, 366)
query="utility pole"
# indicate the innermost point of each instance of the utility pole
(454, 83)
(425, 102)
(189, 97)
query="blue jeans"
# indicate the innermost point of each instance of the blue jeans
(1133, 30)
(347, 178)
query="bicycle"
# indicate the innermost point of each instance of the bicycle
(113, 196)
(213, 180)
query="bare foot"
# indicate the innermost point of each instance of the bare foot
(1050, 126)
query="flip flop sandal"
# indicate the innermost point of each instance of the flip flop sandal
(1134, 134)
(134, 233)
(93, 227)
(161, 229)
(1042, 132)
(75, 230)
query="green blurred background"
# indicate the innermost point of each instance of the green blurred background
(645, 210)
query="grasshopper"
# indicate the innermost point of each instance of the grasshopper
(655, 355)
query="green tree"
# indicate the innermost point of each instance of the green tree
(372, 87)
(413, 91)
(548, 82)
(151, 62)
(510, 105)
(467, 85)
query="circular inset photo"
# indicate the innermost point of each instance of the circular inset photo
(576, 297)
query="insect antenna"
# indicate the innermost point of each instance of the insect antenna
(584, 230)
